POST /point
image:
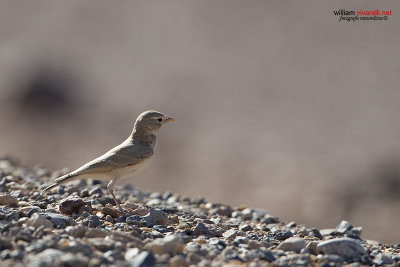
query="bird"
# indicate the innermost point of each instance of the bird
(127, 159)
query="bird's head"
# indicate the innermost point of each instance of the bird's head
(151, 121)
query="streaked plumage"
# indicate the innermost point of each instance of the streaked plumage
(126, 159)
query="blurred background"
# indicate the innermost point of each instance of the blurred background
(278, 105)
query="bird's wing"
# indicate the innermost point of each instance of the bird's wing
(124, 155)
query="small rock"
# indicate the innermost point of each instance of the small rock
(76, 231)
(75, 260)
(38, 220)
(7, 199)
(347, 248)
(382, 259)
(94, 233)
(156, 217)
(125, 238)
(85, 208)
(144, 259)
(71, 205)
(96, 190)
(178, 261)
(344, 226)
(45, 258)
(110, 211)
(209, 230)
(292, 244)
(245, 228)
(170, 244)
(92, 221)
(283, 235)
(130, 205)
(5, 243)
(59, 221)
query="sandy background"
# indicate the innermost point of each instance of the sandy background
(278, 105)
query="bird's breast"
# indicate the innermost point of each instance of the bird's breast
(131, 170)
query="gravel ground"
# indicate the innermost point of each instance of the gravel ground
(77, 225)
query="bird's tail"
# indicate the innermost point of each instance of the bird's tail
(59, 181)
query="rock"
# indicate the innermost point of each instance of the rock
(101, 244)
(45, 258)
(59, 221)
(144, 259)
(344, 226)
(5, 243)
(38, 220)
(283, 235)
(94, 233)
(292, 244)
(110, 211)
(130, 205)
(131, 254)
(347, 248)
(71, 205)
(209, 230)
(92, 221)
(125, 238)
(96, 190)
(7, 199)
(76, 231)
(245, 228)
(85, 208)
(383, 259)
(269, 219)
(329, 231)
(75, 260)
(156, 217)
(170, 244)
(178, 261)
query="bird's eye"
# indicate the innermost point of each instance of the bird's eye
(159, 119)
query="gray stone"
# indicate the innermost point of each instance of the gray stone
(209, 230)
(383, 259)
(38, 220)
(76, 231)
(144, 259)
(344, 226)
(59, 221)
(71, 205)
(293, 244)
(110, 211)
(7, 199)
(5, 243)
(156, 217)
(347, 248)
(75, 260)
(245, 228)
(46, 258)
(170, 244)
(92, 221)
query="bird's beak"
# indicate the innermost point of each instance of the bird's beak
(169, 119)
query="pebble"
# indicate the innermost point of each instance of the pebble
(8, 199)
(170, 244)
(38, 220)
(144, 259)
(156, 217)
(209, 230)
(71, 205)
(59, 221)
(293, 244)
(110, 211)
(175, 231)
(347, 248)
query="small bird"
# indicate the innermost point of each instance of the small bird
(126, 159)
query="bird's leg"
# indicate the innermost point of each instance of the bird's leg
(110, 187)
